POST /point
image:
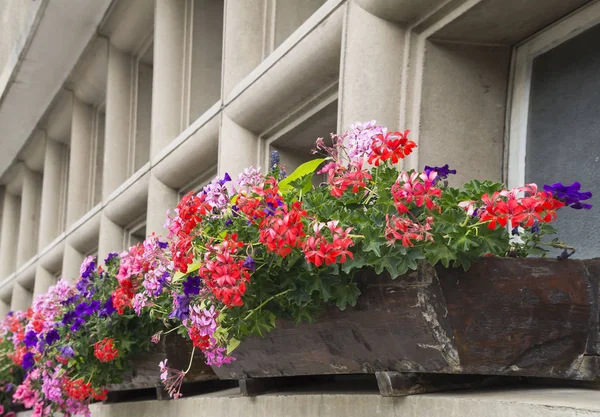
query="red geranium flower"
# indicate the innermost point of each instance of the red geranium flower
(392, 145)
(105, 350)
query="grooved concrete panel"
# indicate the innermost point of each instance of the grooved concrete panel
(14, 28)
(563, 138)
(506, 22)
(462, 109)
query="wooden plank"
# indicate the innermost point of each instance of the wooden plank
(521, 317)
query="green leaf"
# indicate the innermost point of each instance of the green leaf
(319, 284)
(307, 168)
(194, 266)
(232, 345)
(439, 252)
(357, 262)
(346, 295)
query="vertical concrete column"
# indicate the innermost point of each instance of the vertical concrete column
(244, 40)
(31, 195)
(370, 92)
(4, 309)
(78, 194)
(167, 103)
(111, 238)
(21, 298)
(238, 148)
(160, 199)
(72, 260)
(55, 167)
(118, 120)
(43, 281)
(10, 232)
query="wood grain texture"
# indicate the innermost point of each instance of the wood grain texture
(521, 317)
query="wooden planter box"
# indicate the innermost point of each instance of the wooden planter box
(174, 348)
(520, 317)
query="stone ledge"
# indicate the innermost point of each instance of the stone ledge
(530, 402)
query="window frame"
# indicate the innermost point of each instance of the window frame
(524, 53)
(131, 229)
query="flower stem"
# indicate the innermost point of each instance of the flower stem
(265, 302)
(173, 329)
(191, 360)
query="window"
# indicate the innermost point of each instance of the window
(296, 139)
(97, 157)
(135, 233)
(199, 182)
(140, 153)
(555, 118)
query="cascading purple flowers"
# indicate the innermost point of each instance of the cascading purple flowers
(570, 195)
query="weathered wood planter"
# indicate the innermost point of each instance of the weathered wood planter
(525, 317)
(174, 348)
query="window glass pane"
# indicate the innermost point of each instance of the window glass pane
(563, 138)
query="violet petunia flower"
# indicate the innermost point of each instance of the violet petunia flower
(67, 351)
(110, 257)
(191, 286)
(87, 266)
(28, 361)
(77, 324)
(52, 336)
(30, 339)
(570, 195)
(249, 263)
(108, 308)
(225, 180)
(181, 307)
(442, 172)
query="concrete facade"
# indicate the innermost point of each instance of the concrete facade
(107, 121)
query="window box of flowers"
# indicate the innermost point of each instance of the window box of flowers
(379, 270)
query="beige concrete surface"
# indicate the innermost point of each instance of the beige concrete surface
(540, 402)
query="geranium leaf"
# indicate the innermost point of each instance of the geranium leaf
(307, 168)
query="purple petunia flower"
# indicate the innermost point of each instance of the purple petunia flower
(87, 266)
(249, 263)
(81, 309)
(225, 180)
(182, 307)
(52, 336)
(27, 362)
(570, 195)
(68, 317)
(70, 300)
(77, 324)
(162, 245)
(92, 307)
(110, 257)
(67, 351)
(191, 286)
(30, 339)
(108, 308)
(228, 222)
(442, 172)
